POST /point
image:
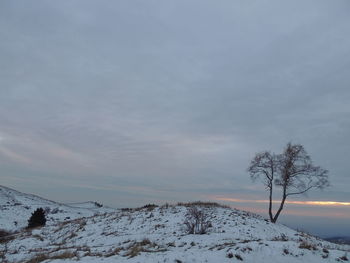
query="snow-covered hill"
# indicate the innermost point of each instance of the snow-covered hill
(158, 234)
(17, 207)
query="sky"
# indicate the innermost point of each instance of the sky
(135, 102)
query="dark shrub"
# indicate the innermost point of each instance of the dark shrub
(98, 204)
(37, 219)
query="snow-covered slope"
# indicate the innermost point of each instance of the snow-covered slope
(158, 234)
(17, 207)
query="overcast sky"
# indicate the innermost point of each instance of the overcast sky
(132, 102)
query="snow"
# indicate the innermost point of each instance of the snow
(158, 234)
(17, 207)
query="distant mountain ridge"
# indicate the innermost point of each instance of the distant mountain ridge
(339, 240)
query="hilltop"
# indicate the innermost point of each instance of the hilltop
(158, 234)
(16, 208)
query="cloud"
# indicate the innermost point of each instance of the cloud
(32, 152)
(170, 98)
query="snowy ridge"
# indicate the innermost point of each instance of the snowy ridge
(16, 208)
(157, 234)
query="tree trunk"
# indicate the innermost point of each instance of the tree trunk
(284, 197)
(270, 204)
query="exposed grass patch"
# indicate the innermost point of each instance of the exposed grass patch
(145, 245)
(148, 207)
(202, 204)
(223, 246)
(6, 236)
(4, 233)
(114, 252)
(42, 257)
(344, 258)
(282, 237)
(38, 258)
(306, 245)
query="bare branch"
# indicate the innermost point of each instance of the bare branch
(301, 192)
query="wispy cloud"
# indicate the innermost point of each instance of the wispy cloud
(39, 153)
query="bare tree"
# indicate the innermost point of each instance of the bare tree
(292, 171)
(196, 221)
(264, 166)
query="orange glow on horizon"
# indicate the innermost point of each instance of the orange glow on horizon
(312, 203)
(330, 214)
